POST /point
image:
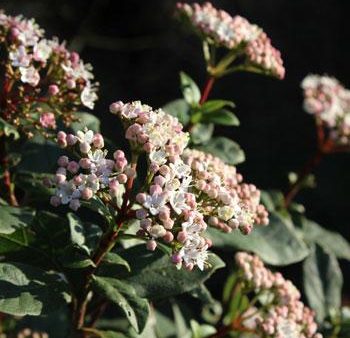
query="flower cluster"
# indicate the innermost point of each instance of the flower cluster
(223, 198)
(282, 314)
(42, 79)
(237, 34)
(329, 101)
(91, 173)
(168, 209)
(28, 333)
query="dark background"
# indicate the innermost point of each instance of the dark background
(137, 49)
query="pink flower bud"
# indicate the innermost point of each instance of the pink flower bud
(168, 237)
(71, 139)
(73, 167)
(63, 161)
(59, 178)
(86, 194)
(176, 258)
(84, 147)
(70, 84)
(182, 236)
(53, 90)
(168, 224)
(141, 214)
(154, 167)
(74, 204)
(116, 107)
(118, 154)
(141, 197)
(85, 163)
(74, 58)
(147, 147)
(159, 180)
(55, 201)
(151, 245)
(122, 178)
(98, 141)
(77, 180)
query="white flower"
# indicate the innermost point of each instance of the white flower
(19, 57)
(194, 251)
(86, 136)
(88, 97)
(226, 212)
(42, 51)
(178, 202)
(29, 75)
(158, 156)
(65, 192)
(154, 202)
(180, 169)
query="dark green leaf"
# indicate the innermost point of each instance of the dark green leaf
(76, 229)
(277, 243)
(26, 290)
(180, 109)
(189, 89)
(224, 148)
(39, 155)
(86, 120)
(329, 240)
(201, 133)
(8, 129)
(12, 219)
(214, 105)
(223, 117)
(114, 259)
(124, 296)
(323, 282)
(155, 277)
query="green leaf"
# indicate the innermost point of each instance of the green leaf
(103, 334)
(329, 240)
(32, 184)
(201, 331)
(215, 105)
(277, 243)
(86, 120)
(124, 296)
(39, 155)
(76, 229)
(155, 277)
(8, 129)
(180, 109)
(272, 199)
(74, 257)
(12, 219)
(182, 330)
(323, 282)
(189, 89)
(223, 117)
(224, 148)
(201, 133)
(26, 290)
(114, 259)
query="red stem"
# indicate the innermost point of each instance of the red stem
(324, 146)
(207, 89)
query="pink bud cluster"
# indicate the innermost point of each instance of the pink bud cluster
(226, 202)
(168, 210)
(43, 80)
(329, 101)
(29, 333)
(261, 54)
(89, 175)
(281, 314)
(235, 33)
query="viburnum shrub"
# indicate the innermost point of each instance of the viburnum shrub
(116, 237)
